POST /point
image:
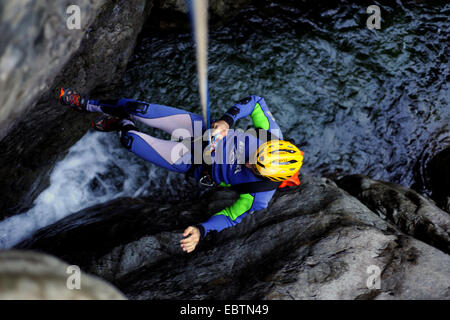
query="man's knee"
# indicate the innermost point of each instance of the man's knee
(136, 107)
(126, 140)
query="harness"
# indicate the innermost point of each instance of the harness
(248, 187)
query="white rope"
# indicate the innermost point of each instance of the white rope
(200, 21)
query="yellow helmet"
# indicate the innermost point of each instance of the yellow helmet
(278, 160)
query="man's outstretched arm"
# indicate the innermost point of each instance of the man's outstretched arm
(226, 218)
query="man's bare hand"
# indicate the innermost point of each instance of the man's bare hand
(193, 237)
(220, 127)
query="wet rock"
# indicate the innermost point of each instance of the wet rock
(346, 263)
(37, 42)
(438, 177)
(313, 242)
(26, 275)
(89, 60)
(412, 213)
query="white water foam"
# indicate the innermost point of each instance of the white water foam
(96, 169)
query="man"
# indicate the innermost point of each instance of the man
(246, 162)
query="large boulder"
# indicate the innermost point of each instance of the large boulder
(26, 275)
(313, 242)
(342, 264)
(412, 213)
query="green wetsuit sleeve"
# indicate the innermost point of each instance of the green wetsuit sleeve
(241, 206)
(229, 216)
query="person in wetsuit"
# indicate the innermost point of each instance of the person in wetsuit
(238, 158)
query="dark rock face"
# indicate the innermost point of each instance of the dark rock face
(313, 242)
(338, 267)
(98, 56)
(438, 172)
(407, 209)
(432, 169)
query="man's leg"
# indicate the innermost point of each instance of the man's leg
(162, 117)
(171, 155)
(158, 116)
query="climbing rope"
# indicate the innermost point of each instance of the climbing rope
(199, 18)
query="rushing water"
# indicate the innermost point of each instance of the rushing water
(356, 100)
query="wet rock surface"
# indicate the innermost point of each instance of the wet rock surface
(26, 275)
(412, 213)
(343, 263)
(36, 44)
(438, 174)
(313, 242)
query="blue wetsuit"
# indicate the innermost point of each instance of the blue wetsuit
(239, 145)
(228, 159)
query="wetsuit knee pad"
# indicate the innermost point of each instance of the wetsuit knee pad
(113, 108)
(136, 107)
(126, 140)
